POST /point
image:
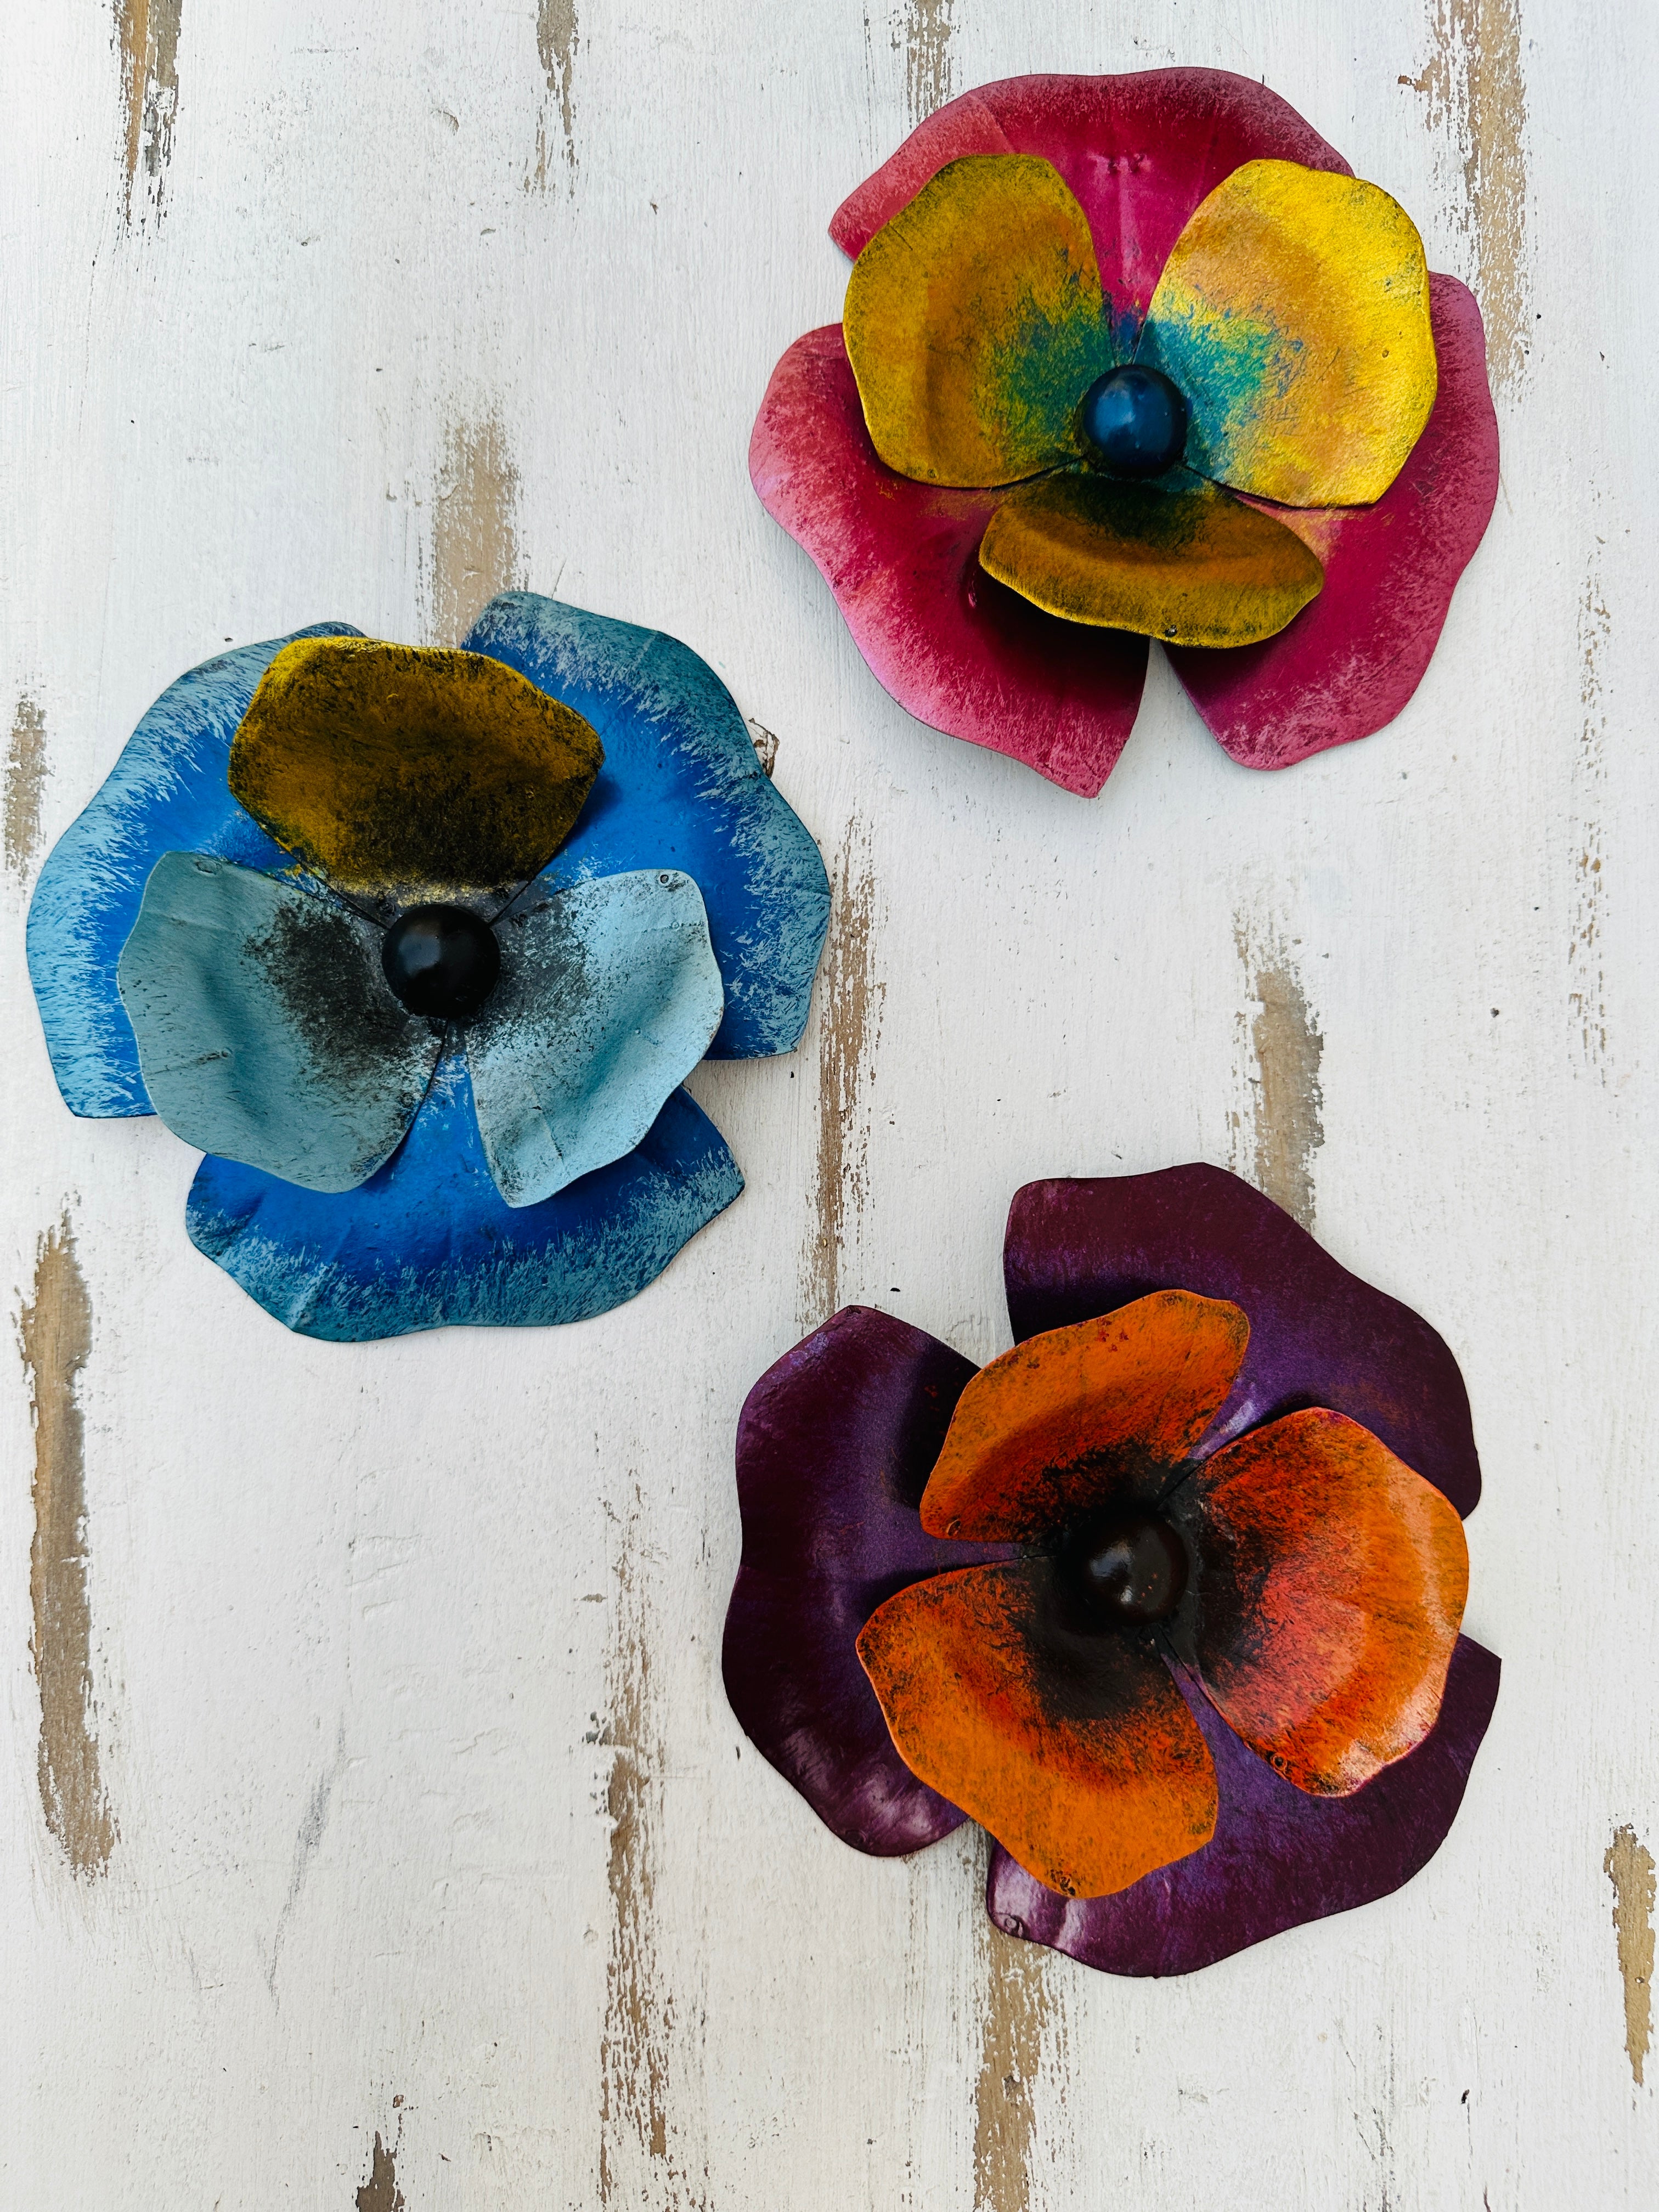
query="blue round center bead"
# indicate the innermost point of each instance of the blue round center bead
(441, 961)
(1135, 420)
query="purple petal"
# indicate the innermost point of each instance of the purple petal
(1318, 1335)
(835, 1447)
(1278, 1857)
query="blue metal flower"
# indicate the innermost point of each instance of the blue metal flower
(377, 1160)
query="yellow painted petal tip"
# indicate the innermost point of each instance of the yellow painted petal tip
(1293, 313)
(975, 322)
(1188, 564)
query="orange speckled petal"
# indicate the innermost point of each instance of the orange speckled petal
(1065, 1419)
(1293, 313)
(1332, 1588)
(975, 324)
(1186, 562)
(1089, 1776)
(401, 772)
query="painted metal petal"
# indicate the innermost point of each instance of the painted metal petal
(956, 648)
(975, 325)
(1332, 1585)
(682, 788)
(410, 773)
(1139, 151)
(1350, 662)
(1064, 1420)
(167, 792)
(1293, 313)
(265, 1029)
(1279, 1857)
(834, 1448)
(1319, 1336)
(1090, 1772)
(608, 995)
(1180, 561)
(430, 1240)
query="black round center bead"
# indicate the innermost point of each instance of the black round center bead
(442, 960)
(1123, 1569)
(1135, 420)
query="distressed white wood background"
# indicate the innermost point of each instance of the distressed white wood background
(373, 1830)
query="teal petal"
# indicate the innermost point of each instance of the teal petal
(609, 995)
(265, 1029)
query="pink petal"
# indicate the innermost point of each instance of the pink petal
(957, 649)
(1138, 152)
(1350, 660)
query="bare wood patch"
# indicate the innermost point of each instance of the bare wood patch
(147, 33)
(27, 770)
(1016, 2014)
(55, 1333)
(1628, 1866)
(475, 542)
(765, 743)
(556, 46)
(1284, 1049)
(926, 34)
(1476, 93)
(380, 2192)
(1587, 999)
(850, 997)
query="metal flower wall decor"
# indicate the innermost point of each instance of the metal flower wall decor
(1134, 357)
(418, 947)
(1168, 1598)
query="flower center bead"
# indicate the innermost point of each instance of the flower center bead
(1123, 1569)
(1135, 420)
(442, 960)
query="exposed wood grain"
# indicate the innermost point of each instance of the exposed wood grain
(847, 1003)
(146, 33)
(1015, 2001)
(928, 27)
(1285, 1130)
(475, 541)
(1476, 93)
(55, 1330)
(1586, 974)
(1628, 1866)
(27, 770)
(380, 2192)
(556, 27)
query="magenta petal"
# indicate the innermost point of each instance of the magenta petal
(1350, 660)
(1278, 1857)
(835, 1447)
(955, 649)
(1138, 153)
(1318, 1335)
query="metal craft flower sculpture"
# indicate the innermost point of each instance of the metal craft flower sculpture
(1167, 1598)
(418, 947)
(1132, 357)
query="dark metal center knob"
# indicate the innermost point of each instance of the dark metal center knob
(441, 961)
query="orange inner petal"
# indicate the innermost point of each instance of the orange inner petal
(1069, 1420)
(1333, 1586)
(1090, 1780)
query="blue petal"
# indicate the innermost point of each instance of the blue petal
(167, 793)
(429, 1240)
(265, 1029)
(680, 789)
(608, 996)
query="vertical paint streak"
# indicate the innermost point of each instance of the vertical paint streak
(849, 1024)
(1586, 976)
(147, 33)
(55, 1332)
(1477, 94)
(555, 45)
(380, 2192)
(1016, 2013)
(927, 34)
(1281, 1077)
(475, 544)
(26, 786)
(1628, 1866)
